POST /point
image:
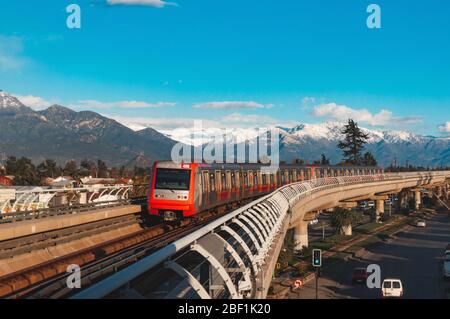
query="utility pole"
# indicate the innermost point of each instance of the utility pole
(317, 263)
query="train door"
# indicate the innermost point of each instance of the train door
(223, 181)
(294, 175)
(205, 187)
(259, 178)
(228, 180)
(245, 180)
(250, 179)
(205, 179)
(233, 178)
(212, 182)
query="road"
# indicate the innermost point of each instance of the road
(414, 256)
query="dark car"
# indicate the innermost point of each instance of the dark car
(359, 275)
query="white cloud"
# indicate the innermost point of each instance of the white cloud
(227, 105)
(139, 123)
(10, 50)
(308, 99)
(94, 104)
(239, 119)
(232, 121)
(150, 3)
(35, 102)
(343, 113)
(445, 128)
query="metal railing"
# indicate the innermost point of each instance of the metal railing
(37, 199)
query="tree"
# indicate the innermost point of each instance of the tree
(87, 168)
(70, 169)
(102, 169)
(324, 160)
(369, 160)
(343, 219)
(24, 171)
(353, 143)
(48, 168)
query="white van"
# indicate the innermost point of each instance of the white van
(391, 287)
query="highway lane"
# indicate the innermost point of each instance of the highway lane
(414, 256)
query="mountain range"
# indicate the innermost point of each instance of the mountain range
(63, 134)
(309, 141)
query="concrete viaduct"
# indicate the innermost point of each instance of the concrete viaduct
(239, 251)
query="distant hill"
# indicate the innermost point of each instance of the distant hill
(63, 134)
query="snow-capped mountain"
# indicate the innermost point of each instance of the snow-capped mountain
(309, 141)
(8, 101)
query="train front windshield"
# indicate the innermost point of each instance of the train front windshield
(176, 179)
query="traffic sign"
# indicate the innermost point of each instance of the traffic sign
(298, 283)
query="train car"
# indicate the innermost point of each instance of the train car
(183, 190)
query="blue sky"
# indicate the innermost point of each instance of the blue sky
(234, 62)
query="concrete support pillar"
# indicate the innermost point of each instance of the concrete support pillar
(379, 209)
(301, 235)
(417, 199)
(347, 230)
(403, 199)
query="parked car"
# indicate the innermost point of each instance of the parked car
(392, 287)
(421, 223)
(314, 221)
(359, 275)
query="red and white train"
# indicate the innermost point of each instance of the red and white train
(183, 190)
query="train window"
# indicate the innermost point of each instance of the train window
(294, 175)
(212, 182)
(168, 178)
(205, 177)
(245, 179)
(250, 178)
(264, 179)
(219, 185)
(272, 179)
(255, 179)
(290, 176)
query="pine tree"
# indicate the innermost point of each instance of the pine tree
(353, 143)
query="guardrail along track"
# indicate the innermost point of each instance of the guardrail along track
(49, 279)
(64, 210)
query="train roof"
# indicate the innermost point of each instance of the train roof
(250, 166)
